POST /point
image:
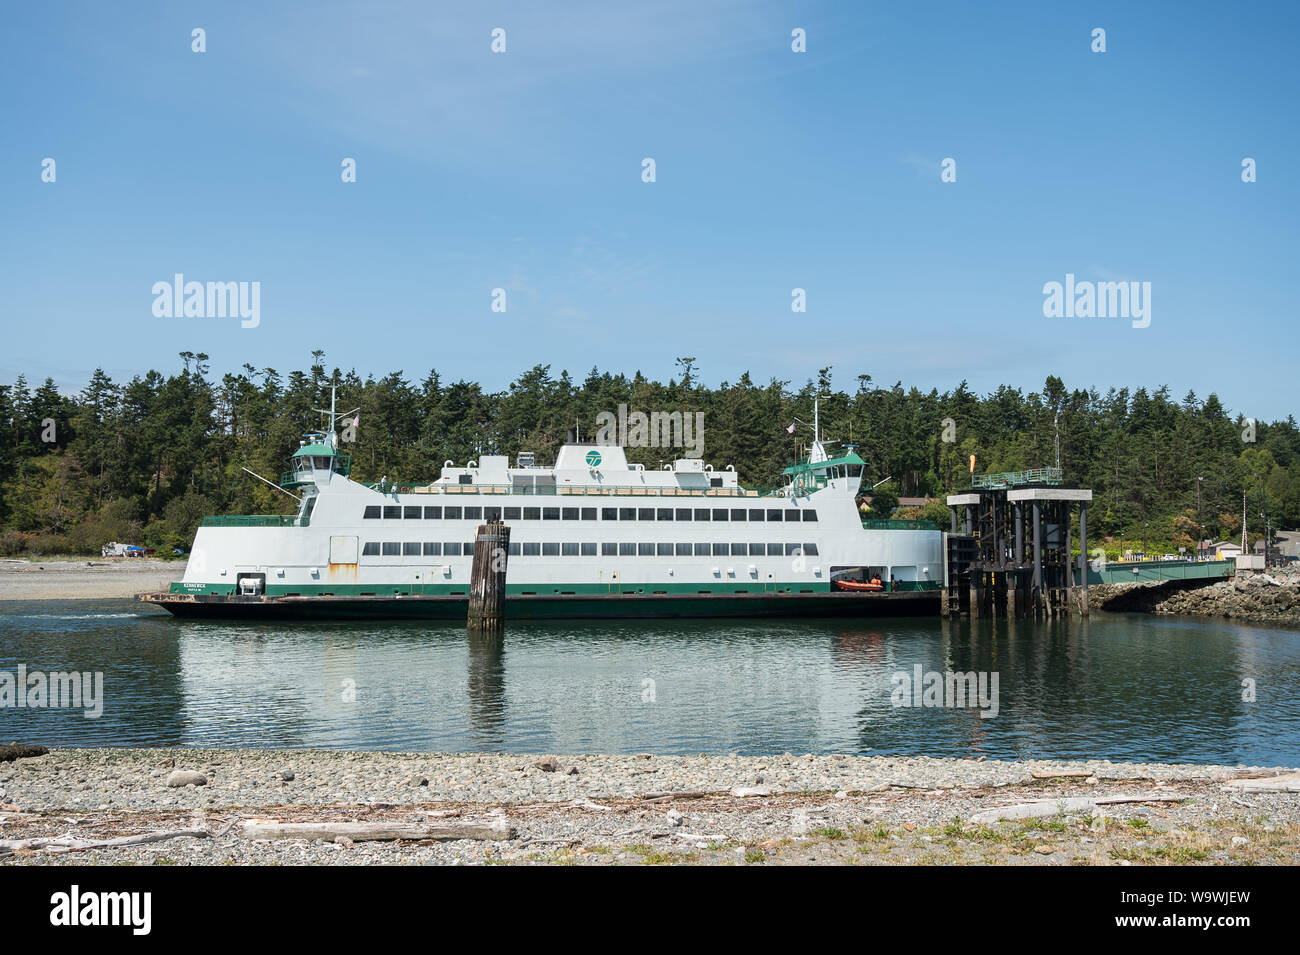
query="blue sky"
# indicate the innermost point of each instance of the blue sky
(775, 170)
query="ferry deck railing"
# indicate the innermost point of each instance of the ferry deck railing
(586, 491)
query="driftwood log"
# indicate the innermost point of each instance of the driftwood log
(73, 844)
(495, 828)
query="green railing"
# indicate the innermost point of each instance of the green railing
(1146, 571)
(899, 524)
(256, 520)
(1017, 478)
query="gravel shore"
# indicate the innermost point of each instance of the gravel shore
(646, 809)
(85, 579)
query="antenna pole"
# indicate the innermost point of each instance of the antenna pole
(274, 485)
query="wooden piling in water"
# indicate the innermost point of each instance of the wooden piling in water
(487, 577)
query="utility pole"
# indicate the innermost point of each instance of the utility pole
(1056, 421)
(1244, 550)
(1200, 531)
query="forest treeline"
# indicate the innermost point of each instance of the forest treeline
(144, 460)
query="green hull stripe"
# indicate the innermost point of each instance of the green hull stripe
(547, 590)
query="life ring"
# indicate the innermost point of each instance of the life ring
(404, 490)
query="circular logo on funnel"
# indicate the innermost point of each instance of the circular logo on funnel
(593, 459)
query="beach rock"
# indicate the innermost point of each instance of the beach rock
(674, 818)
(287, 775)
(186, 777)
(20, 751)
(547, 764)
(751, 792)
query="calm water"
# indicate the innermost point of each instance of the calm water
(1123, 687)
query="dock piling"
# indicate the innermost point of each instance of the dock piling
(487, 580)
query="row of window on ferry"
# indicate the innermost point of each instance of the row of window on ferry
(438, 513)
(588, 549)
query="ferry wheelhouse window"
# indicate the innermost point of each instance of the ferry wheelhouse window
(512, 513)
(626, 550)
(738, 513)
(532, 513)
(465, 479)
(720, 550)
(569, 513)
(756, 550)
(645, 513)
(372, 512)
(719, 513)
(433, 513)
(432, 549)
(492, 513)
(855, 470)
(532, 549)
(411, 549)
(664, 550)
(739, 550)
(550, 549)
(392, 549)
(411, 513)
(473, 513)
(773, 515)
(715, 482)
(683, 550)
(392, 512)
(588, 549)
(645, 550)
(569, 549)
(775, 550)
(451, 513)
(810, 515)
(550, 513)
(608, 549)
(451, 549)
(588, 513)
(609, 513)
(791, 516)
(371, 549)
(627, 513)
(683, 513)
(701, 513)
(756, 514)
(810, 550)
(701, 550)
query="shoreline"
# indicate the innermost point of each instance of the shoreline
(85, 578)
(639, 809)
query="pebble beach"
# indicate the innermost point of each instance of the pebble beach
(73, 579)
(59, 808)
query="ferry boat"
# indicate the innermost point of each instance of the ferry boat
(592, 536)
